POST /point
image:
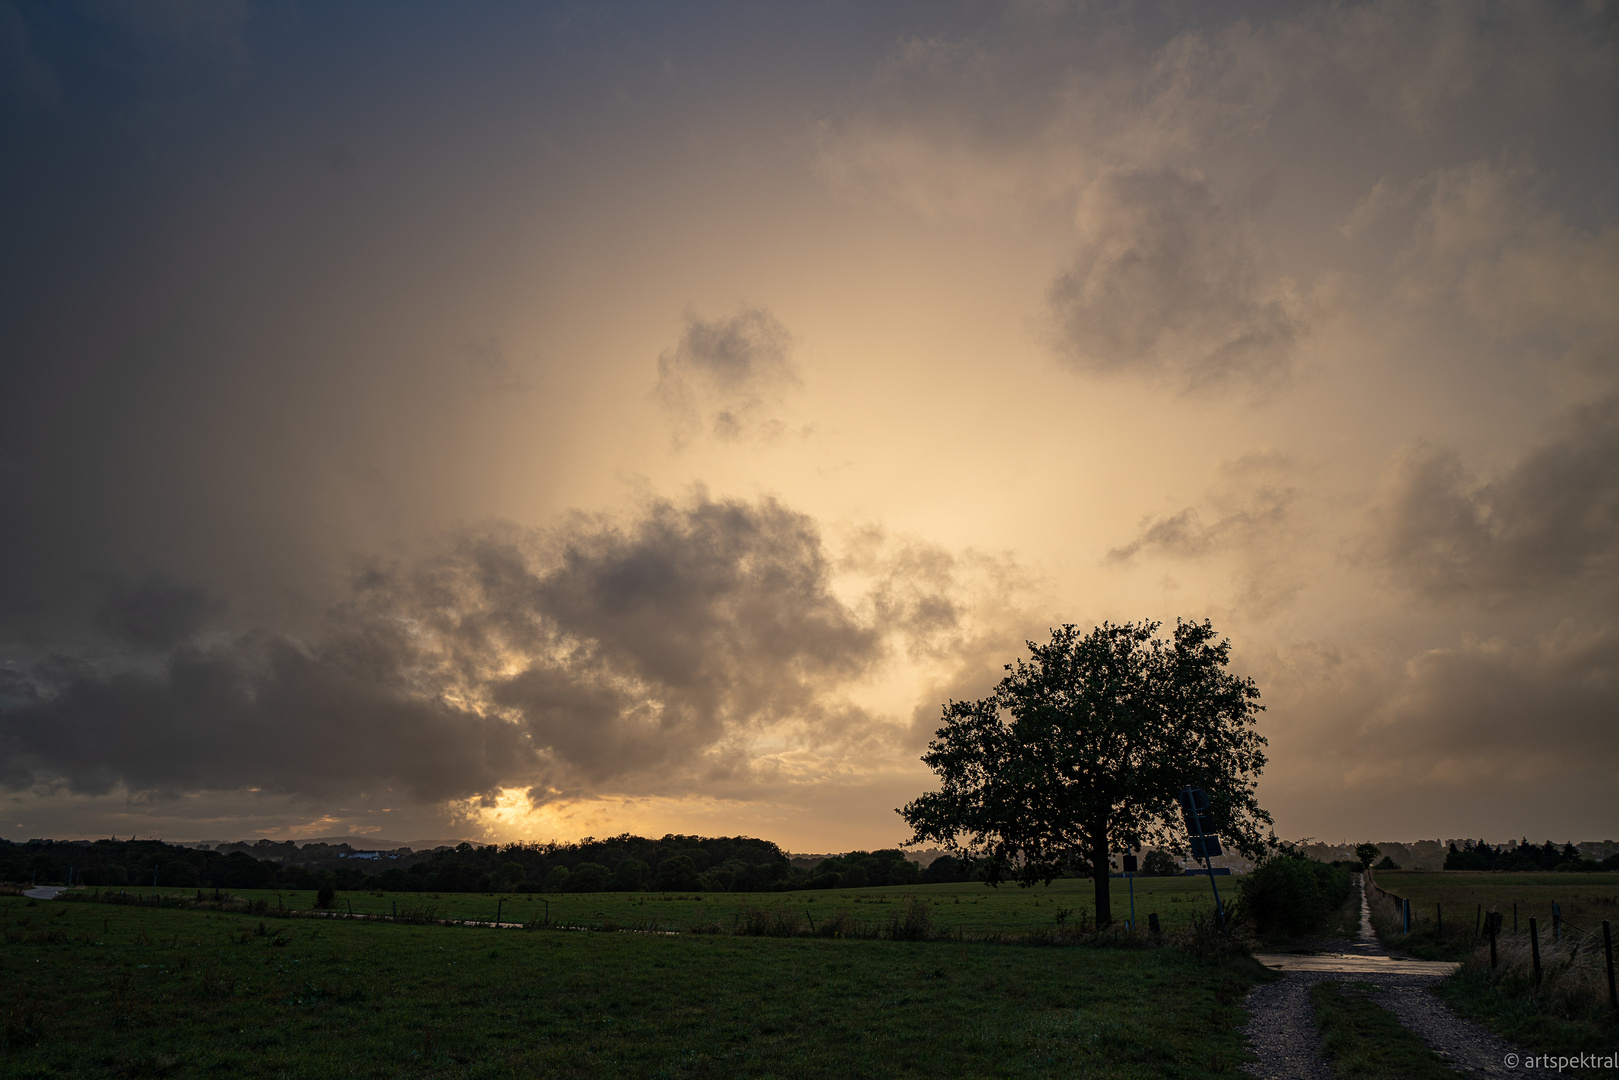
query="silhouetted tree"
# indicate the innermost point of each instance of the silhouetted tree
(1085, 745)
(588, 877)
(677, 873)
(1366, 854)
(629, 876)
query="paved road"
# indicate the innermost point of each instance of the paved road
(45, 892)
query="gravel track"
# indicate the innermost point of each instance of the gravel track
(1282, 1031)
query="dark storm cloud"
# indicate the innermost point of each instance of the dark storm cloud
(267, 714)
(1503, 730)
(156, 613)
(725, 373)
(1548, 522)
(1168, 284)
(595, 657)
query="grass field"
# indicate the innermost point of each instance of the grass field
(1586, 899)
(111, 990)
(973, 909)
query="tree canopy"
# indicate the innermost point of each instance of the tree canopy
(1082, 748)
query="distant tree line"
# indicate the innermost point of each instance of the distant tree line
(624, 863)
(1525, 856)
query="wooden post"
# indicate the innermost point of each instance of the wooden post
(396, 909)
(1477, 916)
(1439, 918)
(1514, 917)
(1491, 925)
(1557, 921)
(498, 904)
(1153, 927)
(1534, 949)
(1607, 949)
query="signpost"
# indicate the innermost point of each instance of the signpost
(1205, 844)
(1129, 875)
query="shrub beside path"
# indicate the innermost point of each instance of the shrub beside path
(1282, 1030)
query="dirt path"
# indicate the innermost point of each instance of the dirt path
(1281, 1026)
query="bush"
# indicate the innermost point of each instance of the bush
(326, 897)
(915, 923)
(1159, 863)
(1292, 893)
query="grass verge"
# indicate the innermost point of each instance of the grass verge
(1553, 1018)
(1364, 1041)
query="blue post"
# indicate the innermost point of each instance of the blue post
(1218, 906)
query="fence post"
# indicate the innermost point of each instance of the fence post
(1607, 949)
(1152, 927)
(1514, 918)
(1491, 924)
(1557, 921)
(1477, 917)
(1439, 918)
(1534, 949)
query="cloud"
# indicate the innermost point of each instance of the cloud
(1250, 515)
(1034, 103)
(1485, 240)
(642, 657)
(1168, 284)
(726, 373)
(1500, 733)
(1544, 525)
(156, 613)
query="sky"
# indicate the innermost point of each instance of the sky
(528, 421)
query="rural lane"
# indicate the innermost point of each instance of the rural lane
(1281, 1027)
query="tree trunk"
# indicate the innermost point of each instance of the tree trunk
(1099, 871)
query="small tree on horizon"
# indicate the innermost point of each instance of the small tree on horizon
(1082, 749)
(1366, 854)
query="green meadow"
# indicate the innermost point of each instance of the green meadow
(124, 991)
(1584, 898)
(969, 909)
